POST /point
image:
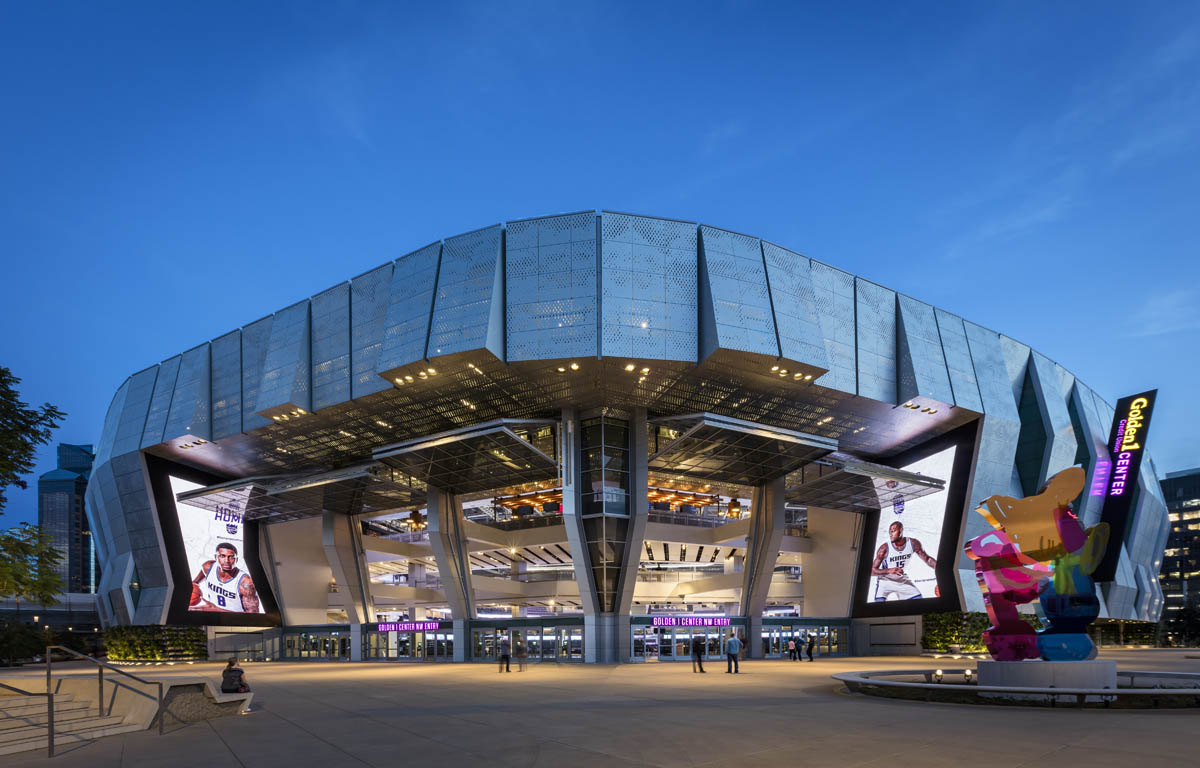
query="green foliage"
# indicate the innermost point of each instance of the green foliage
(29, 565)
(155, 643)
(942, 630)
(22, 641)
(22, 430)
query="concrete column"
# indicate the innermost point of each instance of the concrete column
(568, 460)
(356, 642)
(762, 551)
(450, 551)
(342, 540)
(416, 573)
(639, 506)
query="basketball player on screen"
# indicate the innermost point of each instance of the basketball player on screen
(890, 559)
(222, 586)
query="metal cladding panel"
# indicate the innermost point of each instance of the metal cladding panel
(1094, 439)
(227, 385)
(97, 515)
(288, 367)
(331, 346)
(108, 432)
(833, 293)
(550, 283)
(256, 338)
(1121, 593)
(469, 290)
(922, 363)
(737, 285)
(876, 336)
(1061, 445)
(132, 419)
(410, 305)
(369, 298)
(189, 413)
(992, 373)
(1016, 360)
(963, 382)
(160, 402)
(795, 307)
(648, 288)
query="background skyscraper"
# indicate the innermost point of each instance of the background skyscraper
(61, 513)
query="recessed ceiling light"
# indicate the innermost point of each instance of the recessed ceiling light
(774, 368)
(562, 370)
(630, 367)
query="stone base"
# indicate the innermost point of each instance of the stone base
(1046, 674)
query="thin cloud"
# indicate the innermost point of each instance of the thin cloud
(1165, 313)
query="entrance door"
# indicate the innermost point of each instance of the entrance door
(549, 644)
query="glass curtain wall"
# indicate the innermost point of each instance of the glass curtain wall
(604, 501)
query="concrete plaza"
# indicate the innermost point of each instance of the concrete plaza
(775, 713)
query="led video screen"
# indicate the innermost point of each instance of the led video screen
(214, 544)
(908, 538)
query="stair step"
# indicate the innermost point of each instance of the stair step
(32, 705)
(68, 738)
(81, 725)
(74, 711)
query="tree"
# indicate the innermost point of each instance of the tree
(29, 565)
(22, 430)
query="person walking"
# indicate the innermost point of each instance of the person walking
(793, 654)
(733, 647)
(504, 654)
(698, 653)
(812, 642)
(522, 654)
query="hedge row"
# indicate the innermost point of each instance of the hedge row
(155, 643)
(942, 630)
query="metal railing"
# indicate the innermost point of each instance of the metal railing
(49, 713)
(100, 667)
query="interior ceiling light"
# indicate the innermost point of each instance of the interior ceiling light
(562, 370)
(645, 370)
(808, 377)
(630, 367)
(774, 368)
(574, 366)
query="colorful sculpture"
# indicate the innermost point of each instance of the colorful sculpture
(1039, 550)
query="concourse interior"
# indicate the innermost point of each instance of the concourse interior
(604, 536)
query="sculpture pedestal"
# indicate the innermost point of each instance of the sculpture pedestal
(1046, 674)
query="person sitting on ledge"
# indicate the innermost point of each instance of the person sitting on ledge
(233, 678)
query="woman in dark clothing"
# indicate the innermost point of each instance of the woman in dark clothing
(233, 679)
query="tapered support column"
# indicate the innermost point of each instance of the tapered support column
(568, 460)
(639, 507)
(449, 545)
(762, 551)
(342, 540)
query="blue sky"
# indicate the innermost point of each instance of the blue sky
(172, 171)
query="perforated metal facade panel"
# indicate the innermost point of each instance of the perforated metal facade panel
(740, 309)
(189, 414)
(833, 293)
(795, 308)
(255, 339)
(410, 305)
(331, 347)
(876, 331)
(1052, 401)
(550, 267)
(131, 415)
(1091, 438)
(160, 403)
(641, 260)
(288, 367)
(963, 383)
(469, 306)
(370, 296)
(922, 370)
(227, 385)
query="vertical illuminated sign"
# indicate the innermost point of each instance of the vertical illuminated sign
(1126, 444)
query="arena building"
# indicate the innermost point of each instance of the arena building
(589, 437)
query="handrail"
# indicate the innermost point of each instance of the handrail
(49, 713)
(100, 667)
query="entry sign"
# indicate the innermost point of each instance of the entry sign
(409, 626)
(1126, 444)
(690, 621)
